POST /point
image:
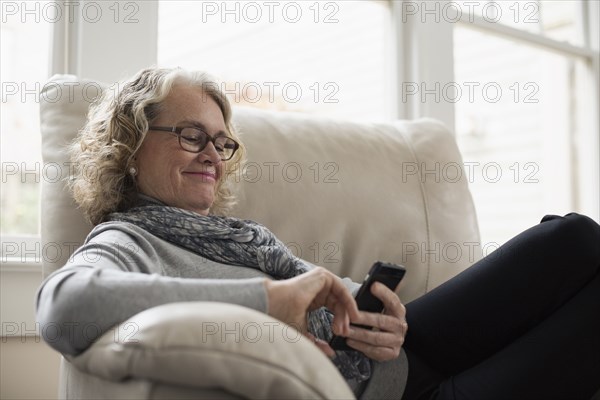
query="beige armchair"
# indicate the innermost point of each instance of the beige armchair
(340, 194)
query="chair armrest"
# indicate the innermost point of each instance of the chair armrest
(216, 345)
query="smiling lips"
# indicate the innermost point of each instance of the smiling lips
(203, 174)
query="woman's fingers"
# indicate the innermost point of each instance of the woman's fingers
(376, 338)
(377, 345)
(291, 299)
(336, 297)
(322, 288)
(343, 311)
(383, 322)
(383, 343)
(378, 353)
(391, 302)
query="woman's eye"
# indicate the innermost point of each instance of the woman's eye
(191, 139)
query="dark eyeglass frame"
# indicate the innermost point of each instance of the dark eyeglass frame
(177, 132)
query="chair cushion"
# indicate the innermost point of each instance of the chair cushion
(344, 195)
(215, 345)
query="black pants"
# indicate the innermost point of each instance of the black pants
(522, 323)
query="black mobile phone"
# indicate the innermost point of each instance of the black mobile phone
(388, 274)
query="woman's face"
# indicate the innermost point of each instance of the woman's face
(170, 174)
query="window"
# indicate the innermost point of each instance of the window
(519, 122)
(326, 57)
(25, 49)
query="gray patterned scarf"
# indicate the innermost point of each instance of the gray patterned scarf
(240, 242)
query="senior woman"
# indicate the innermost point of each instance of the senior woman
(164, 146)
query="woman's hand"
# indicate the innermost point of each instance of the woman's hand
(383, 343)
(291, 299)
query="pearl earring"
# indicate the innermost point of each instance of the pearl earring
(132, 171)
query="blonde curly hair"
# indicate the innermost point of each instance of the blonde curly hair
(117, 124)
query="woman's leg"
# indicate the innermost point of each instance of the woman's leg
(494, 326)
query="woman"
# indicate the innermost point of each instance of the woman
(164, 147)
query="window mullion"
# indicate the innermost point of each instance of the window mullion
(477, 22)
(64, 40)
(425, 66)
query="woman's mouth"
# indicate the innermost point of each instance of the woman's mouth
(205, 175)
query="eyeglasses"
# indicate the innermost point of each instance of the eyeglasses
(195, 140)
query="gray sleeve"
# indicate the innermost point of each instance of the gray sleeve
(100, 288)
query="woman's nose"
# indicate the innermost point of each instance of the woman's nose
(210, 153)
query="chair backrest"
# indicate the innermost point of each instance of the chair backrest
(341, 194)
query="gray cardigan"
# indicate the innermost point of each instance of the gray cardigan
(122, 270)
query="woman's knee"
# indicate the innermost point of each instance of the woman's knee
(580, 231)
(583, 227)
(574, 223)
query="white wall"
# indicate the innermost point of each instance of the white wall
(28, 370)
(28, 367)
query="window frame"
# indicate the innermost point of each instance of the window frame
(584, 196)
(427, 41)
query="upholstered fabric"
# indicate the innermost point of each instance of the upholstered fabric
(215, 345)
(340, 194)
(343, 195)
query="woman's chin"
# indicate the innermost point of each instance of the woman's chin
(200, 207)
